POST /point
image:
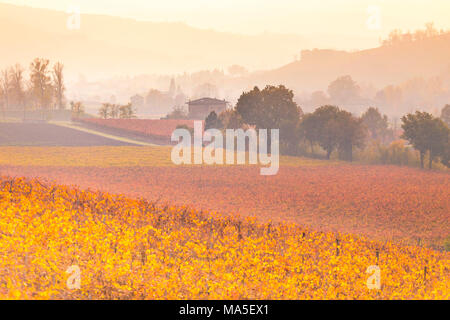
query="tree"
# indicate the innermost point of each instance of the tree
(77, 109)
(172, 88)
(271, 108)
(178, 112)
(343, 90)
(351, 133)
(17, 86)
(309, 129)
(318, 98)
(114, 111)
(103, 112)
(230, 119)
(332, 129)
(391, 96)
(439, 144)
(58, 84)
(5, 89)
(445, 154)
(40, 83)
(445, 114)
(426, 134)
(376, 124)
(126, 111)
(326, 131)
(397, 37)
(213, 122)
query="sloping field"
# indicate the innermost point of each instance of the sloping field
(158, 129)
(154, 156)
(46, 134)
(383, 202)
(132, 249)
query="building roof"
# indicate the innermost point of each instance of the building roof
(206, 101)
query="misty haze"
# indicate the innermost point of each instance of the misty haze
(224, 150)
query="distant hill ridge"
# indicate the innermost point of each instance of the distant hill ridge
(112, 45)
(379, 66)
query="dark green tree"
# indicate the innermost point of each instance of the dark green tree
(326, 128)
(333, 129)
(212, 121)
(351, 133)
(427, 134)
(230, 119)
(445, 114)
(376, 124)
(309, 129)
(271, 108)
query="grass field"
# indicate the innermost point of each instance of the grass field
(106, 156)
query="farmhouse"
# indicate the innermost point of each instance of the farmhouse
(201, 108)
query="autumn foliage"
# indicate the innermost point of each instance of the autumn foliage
(382, 202)
(134, 249)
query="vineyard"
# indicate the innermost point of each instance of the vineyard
(392, 203)
(159, 129)
(135, 249)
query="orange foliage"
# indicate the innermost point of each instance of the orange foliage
(132, 249)
(382, 202)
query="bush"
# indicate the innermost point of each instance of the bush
(396, 153)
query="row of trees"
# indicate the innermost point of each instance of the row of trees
(43, 90)
(398, 99)
(333, 129)
(115, 111)
(397, 36)
(330, 127)
(274, 107)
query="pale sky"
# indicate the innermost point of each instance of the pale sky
(367, 20)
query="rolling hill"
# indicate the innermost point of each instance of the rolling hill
(380, 66)
(106, 45)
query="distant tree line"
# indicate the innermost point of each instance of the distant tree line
(398, 99)
(43, 90)
(397, 36)
(330, 129)
(116, 111)
(178, 112)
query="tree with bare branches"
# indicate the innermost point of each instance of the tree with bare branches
(58, 84)
(5, 90)
(40, 83)
(18, 91)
